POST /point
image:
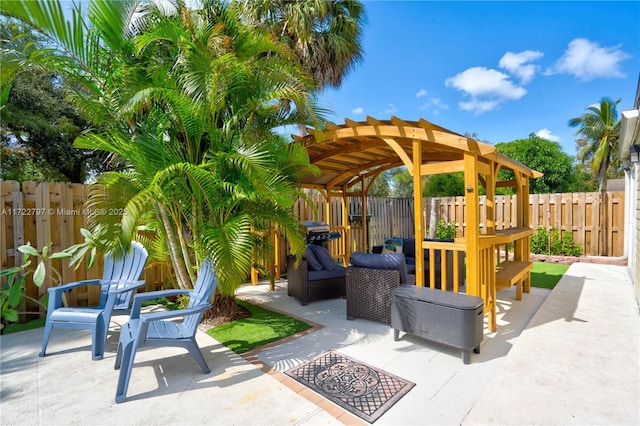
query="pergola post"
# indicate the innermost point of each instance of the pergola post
(346, 236)
(417, 210)
(472, 232)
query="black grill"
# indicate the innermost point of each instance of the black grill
(318, 232)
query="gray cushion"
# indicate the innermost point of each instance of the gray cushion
(314, 263)
(392, 261)
(324, 257)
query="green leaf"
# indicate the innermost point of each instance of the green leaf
(45, 250)
(86, 233)
(75, 260)
(10, 315)
(28, 249)
(39, 274)
(92, 258)
(9, 271)
(61, 255)
(15, 292)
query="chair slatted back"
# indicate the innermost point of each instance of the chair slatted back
(118, 272)
(201, 294)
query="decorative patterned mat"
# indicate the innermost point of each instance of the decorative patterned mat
(359, 388)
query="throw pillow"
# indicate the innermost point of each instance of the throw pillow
(323, 255)
(392, 245)
(314, 264)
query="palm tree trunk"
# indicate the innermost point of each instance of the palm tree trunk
(175, 251)
(433, 217)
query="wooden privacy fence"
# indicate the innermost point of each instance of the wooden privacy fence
(54, 212)
(578, 213)
(45, 212)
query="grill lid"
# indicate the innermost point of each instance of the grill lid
(310, 226)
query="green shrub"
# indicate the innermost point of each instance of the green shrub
(554, 242)
(445, 231)
(540, 241)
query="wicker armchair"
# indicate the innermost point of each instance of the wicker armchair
(370, 281)
(302, 285)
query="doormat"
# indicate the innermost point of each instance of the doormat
(361, 389)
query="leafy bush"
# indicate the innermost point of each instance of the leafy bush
(554, 242)
(445, 231)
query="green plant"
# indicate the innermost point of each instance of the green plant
(12, 292)
(540, 241)
(445, 231)
(554, 242)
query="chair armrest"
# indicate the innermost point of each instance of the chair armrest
(71, 286)
(298, 279)
(139, 298)
(55, 293)
(160, 316)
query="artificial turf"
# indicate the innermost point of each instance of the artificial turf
(264, 326)
(547, 275)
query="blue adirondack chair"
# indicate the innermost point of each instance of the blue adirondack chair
(162, 328)
(120, 279)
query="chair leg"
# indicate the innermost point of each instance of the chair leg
(98, 339)
(125, 357)
(195, 352)
(45, 338)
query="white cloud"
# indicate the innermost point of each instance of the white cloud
(390, 110)
(421, 93)
(358, 110)
(477, 106)
(546, 134)
(487, 88)
(434, 102)
(517, 64)
(586, 60)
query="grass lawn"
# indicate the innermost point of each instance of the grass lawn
(547, 275)
(263, 327)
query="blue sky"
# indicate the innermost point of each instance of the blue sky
(503, 70)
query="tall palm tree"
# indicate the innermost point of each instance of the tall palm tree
(189, 99)
(600, 129)
(325, 35)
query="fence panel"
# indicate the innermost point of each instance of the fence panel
(42, 213)
(54, 212)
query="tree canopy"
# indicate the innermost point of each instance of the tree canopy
(544, 156)
(39, 123)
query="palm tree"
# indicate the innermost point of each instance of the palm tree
(325, 35)
(190, 100)
(600, 130)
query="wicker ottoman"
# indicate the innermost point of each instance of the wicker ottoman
(453, 319)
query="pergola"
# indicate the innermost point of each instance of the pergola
(357, 152)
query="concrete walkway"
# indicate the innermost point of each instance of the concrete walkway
(578, 360)
(560, 357)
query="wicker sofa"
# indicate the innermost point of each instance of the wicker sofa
(370, 279)
(307, 283)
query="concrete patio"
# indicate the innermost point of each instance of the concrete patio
(567, 356)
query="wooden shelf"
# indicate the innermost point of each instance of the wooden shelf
(505, 236)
